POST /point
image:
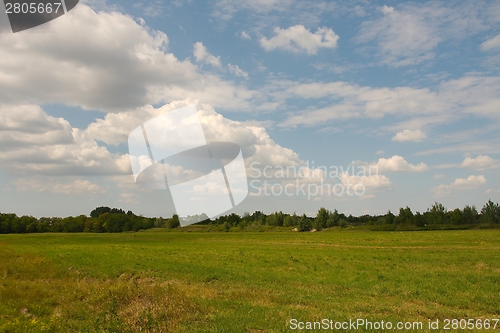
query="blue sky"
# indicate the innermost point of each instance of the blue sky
(409, 88)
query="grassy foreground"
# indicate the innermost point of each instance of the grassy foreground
(158, 281)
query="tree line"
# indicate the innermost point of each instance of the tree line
(101, 219)
(435, 217)
(106, 219)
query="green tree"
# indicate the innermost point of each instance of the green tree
(405, 216)
(100, 210)
(333, 219)
(291, 220)
(437, 214)
(275, 219)
(389, 218)
(173, 222)
(233, 219)
(490, 213)
(419, 220)
(159, 222)
(320, 222)
(470, 215)
(304, 223)
(343, 223)
(456, 217)
(44, 224)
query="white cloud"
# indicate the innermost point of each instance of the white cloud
(227, 8)
(33, 142)
(299, 39)
(481, 162)
(26, 125)
(439, 176)
(245, 35)
(129, 197)
(234, 69)
(418, 107)
(471, 182)
(403, 37)
(398, 164)
(202, 55)
(323, 115)
(255, 142)
(407, 135)
(492, 43)
(110, 63)
(76, 187)
(409, 34)
(478, 147)
(371, 183)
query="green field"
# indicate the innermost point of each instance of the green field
(159, 281)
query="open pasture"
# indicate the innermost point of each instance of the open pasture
(159, 281)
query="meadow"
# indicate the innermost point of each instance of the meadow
(195, 281)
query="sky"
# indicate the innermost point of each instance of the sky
(360, 106)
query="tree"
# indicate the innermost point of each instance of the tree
(389, 218)
(490, 213)
(304, 223)
(469, 215)
(456, 217)
(275, 219)
(437, 214)
(100, 210)
(4, 224)
(44, 224)
(233, 219)
(333, 219)
(405, 216)
(115, 222)
(343, 223)
(259, 217)
(320, 222)
(291, 220)
(173, 222)
(419, 220)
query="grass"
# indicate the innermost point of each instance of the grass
(158, 281)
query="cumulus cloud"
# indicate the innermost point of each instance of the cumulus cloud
(407, 135)
(371, 183)
(471, 182)
(480, 162)
(299, 39)
(398, 164)
(27, 124)
(75, 187)
(110, 63)
(255, 142)
(33, 142)
(492, 43)
(201, 54)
